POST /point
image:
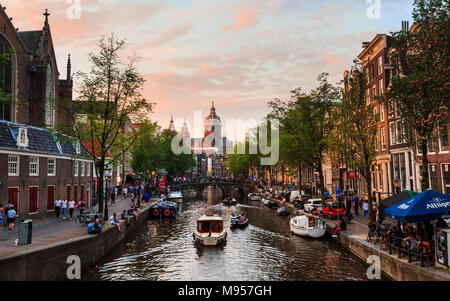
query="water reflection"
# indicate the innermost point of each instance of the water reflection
(265, 250)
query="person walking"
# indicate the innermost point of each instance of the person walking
(71, 207)
(57, 207)
(64, 207)
(356, 204)
(366, 209)
(11, 218)
(2, 215)
(81, 205)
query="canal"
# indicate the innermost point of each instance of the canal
(264, 251)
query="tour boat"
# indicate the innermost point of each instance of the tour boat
(307, 226)
(210, 230)
(175, 195)
(237, 223)
(164, 209)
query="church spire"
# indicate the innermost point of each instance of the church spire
(46, 14)
(69, 69)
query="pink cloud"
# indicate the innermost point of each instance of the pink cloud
(246, 18)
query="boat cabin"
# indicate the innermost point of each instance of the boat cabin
(210, 224)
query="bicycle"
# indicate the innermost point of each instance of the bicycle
(375, 234)
(84, 219)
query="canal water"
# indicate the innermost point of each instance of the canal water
(264, 251)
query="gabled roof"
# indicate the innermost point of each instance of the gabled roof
(40, 140)
(31, 39)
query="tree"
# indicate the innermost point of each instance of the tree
(355, 136)
(147, 152)
(175, 164)
(307, 125)
(420, 84)
(109, 98)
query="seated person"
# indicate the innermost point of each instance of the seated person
(423, 245)
(411, 239)
(95, 227)
(234, 219)
(242, 219)
(340, 226)
(113, 220)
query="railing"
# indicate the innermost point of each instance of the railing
(404, 247)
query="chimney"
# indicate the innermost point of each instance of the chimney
(405, 26)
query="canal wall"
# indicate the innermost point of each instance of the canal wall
(50, 262)
(393, 267)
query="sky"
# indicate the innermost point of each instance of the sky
(241, 54)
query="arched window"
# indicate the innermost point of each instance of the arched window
(6, 106)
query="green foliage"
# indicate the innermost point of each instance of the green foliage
(420, 83)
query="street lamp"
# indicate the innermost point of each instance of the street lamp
(106, 190)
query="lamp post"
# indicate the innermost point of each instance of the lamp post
(106, 194)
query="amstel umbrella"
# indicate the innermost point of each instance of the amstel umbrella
(426, 206)
(394, 199)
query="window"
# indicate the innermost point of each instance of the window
(374, 93)
(393, 133)
(368, 96)
(7, 106)
(380, 65)
(34, 166)
(380, 87)
(383, 139)
(382, 112)
(443, 138)
(13, 165)
(75, 168)
(22, 137)
(432, 144)
(88, 169)
(433, 177)
(51, 167)
(82, 169)
(373, 71)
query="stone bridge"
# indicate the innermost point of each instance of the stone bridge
(228, 188)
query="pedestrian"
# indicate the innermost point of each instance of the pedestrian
(113, 197)
(2, 215)
(11, 218)
(81, 205)
(366, 208)
(356, 204)
(64, 207)
(57, 207)
(71, 207)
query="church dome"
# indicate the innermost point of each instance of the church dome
(212, 115)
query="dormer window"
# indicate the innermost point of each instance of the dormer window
(22, 137)
(78, 148)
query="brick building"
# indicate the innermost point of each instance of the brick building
(42, 165)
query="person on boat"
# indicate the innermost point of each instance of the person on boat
(234, 219)
(243, 218)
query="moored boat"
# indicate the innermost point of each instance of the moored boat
(230, 202)
(164, 209)
(265, 201)
(175, 195)
(254, 197)
(307, 226)
(210, 230)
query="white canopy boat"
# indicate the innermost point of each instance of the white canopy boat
(210, 230)
(308, 226)
(175, 195)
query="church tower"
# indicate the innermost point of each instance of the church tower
(213, 129)
(172, 125)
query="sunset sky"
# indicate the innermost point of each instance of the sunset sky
(238, 53)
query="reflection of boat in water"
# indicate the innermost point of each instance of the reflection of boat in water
(164, 209)
(210, 230)
(175, 195)
(307, 226)
(238, 222)
(230, 202)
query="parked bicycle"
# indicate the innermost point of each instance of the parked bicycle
(84, 219)
(375, 232)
